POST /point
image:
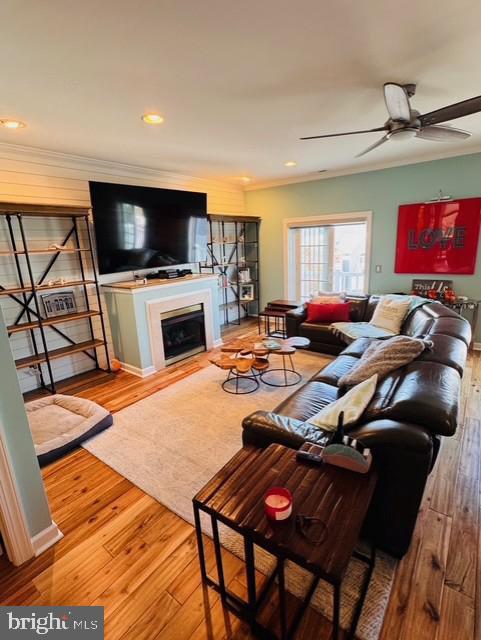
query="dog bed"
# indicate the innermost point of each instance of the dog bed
(60, 423)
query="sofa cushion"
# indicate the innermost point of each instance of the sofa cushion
(308, 400)
(417, 323)
(357, 348)
(456, 327)
(358, 307)
(424, 393)
(319, 332)
(446, 350)
(336, 369)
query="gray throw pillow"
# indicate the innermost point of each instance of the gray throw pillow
(384, 356)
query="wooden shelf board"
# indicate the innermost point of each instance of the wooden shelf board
(73, 283)
(43, 210)
(47, 322)
(54, 354)
(41, 252)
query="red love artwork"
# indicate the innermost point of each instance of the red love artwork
(438, 237)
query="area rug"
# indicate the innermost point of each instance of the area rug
(172, 442)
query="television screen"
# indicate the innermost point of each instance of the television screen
(144, 227)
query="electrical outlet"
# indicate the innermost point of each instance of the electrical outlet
(379, 268)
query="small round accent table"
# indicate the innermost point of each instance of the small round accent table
(285, 376)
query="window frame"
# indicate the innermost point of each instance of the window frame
(316, 220)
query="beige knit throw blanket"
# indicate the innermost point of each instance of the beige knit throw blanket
(383, 356)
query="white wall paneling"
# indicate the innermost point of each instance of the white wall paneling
(35, 176)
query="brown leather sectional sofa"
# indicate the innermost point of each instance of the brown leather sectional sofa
(412, 408)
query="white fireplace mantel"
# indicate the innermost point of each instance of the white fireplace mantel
(134, 313)
(156, 307)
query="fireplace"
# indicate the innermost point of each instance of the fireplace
(183, 332)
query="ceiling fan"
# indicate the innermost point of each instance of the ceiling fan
(405, 122)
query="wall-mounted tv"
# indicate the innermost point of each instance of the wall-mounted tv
(144, 227)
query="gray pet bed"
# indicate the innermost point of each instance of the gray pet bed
(60, 423)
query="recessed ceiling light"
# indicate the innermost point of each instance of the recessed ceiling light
(290, 163)
(245, 179)
(152, 118)
(11, 124)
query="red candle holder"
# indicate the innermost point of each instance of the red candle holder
(278, 503)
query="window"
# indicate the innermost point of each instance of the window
(329, 257)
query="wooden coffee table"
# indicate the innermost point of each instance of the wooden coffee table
(247, 362)
(329, 507)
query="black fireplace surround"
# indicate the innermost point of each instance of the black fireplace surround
(183, 333)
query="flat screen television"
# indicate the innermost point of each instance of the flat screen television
(144, 227)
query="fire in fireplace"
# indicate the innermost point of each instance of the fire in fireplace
(183, 332)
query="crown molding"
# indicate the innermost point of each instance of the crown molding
(335, 173)
(107, 167)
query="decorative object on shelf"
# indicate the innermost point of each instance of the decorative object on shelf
(449, 296)
(438, 237)
(58, 247)
(432, 289)
(233, 253)
(60, 303)
(244, 274)
(278, 503)
(246, 293)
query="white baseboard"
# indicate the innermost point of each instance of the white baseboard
(477, 346)
(137, 371)
(46, 538)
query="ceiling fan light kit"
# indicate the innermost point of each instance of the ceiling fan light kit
(405, 123)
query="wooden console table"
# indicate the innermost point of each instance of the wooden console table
(329, 507)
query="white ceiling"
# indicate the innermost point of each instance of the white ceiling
(237, 82)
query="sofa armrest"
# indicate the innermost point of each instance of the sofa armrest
(403, 456)
(294, 318)
(261, 428)
(391, 433)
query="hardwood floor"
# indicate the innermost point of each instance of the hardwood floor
(126, 552)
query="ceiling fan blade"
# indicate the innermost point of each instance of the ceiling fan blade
(373, 146)
(453, 111)
(442, 134)
(397, 102)
(348, 133)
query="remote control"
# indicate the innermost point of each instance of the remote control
(311, 458)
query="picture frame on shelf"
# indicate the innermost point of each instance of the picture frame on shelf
(246, 292)
(60, 303)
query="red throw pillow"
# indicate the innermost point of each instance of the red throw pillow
(328, 312)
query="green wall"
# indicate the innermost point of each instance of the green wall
(378, 191)
(18, 440)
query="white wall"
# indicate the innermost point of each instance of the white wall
(36, 176)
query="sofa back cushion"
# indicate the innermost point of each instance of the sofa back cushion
(425, 393)
(358, 307)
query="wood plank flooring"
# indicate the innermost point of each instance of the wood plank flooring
(126, 552)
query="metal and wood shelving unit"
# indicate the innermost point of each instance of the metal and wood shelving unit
(30, 318)
(233, 246)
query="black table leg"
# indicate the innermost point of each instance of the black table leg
(218, 558)
(370, 561)
(282, 598)
(336, 612)
(251, 581)
(200, 543)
